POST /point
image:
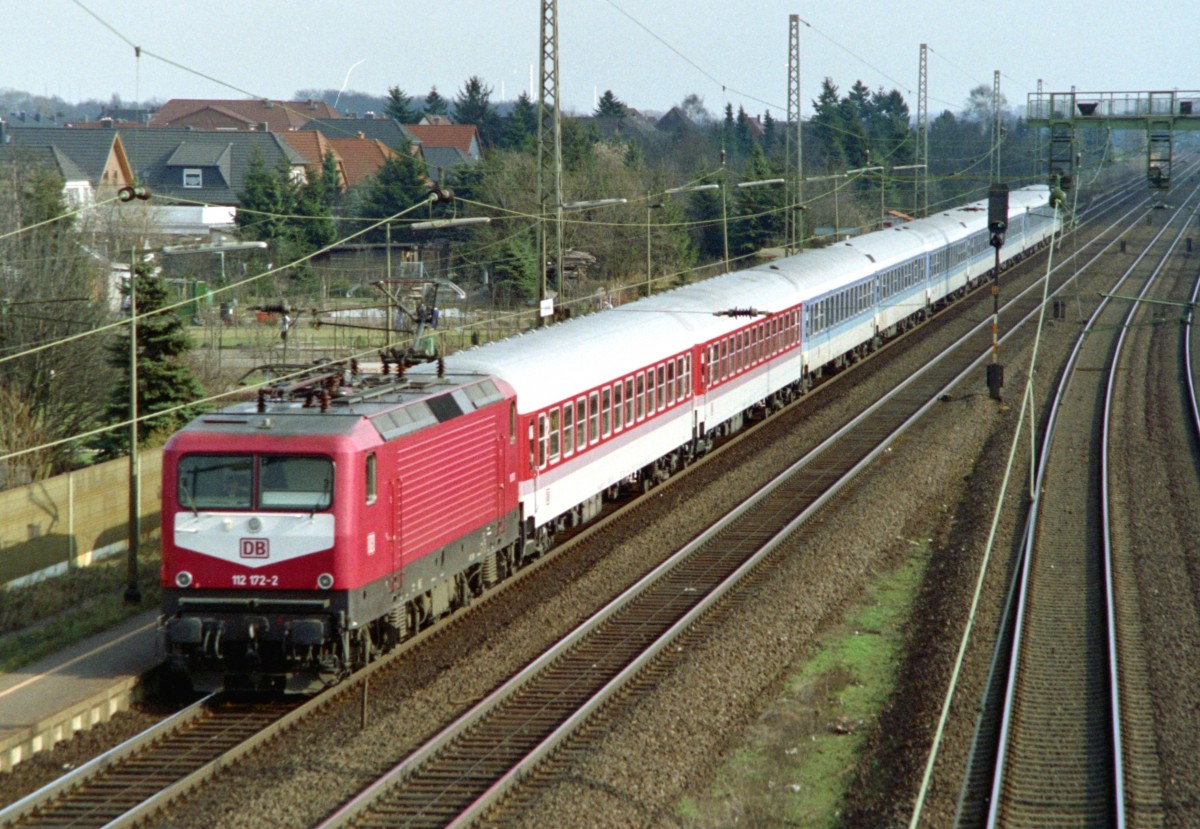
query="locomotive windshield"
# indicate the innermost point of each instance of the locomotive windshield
(266, 482)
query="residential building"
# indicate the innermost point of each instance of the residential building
(92, 163)
(246, 115)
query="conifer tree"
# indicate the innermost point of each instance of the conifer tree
(164, 379)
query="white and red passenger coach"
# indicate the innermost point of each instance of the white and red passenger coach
(332, 517)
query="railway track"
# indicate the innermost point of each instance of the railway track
(124, 785)
(490, 758)
(1011, 316)
(1074, 745)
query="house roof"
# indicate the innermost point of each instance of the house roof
(361, 157)
(439, 160)
(247, 114)
(46, 156)
(675, 121)
(462, 137)
(314, 146)
(388, 130)
(82, 154)
(160, 157)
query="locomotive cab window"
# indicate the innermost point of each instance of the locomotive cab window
(290, 482)
(268, 482)
(216, 482)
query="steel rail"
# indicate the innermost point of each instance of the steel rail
(500, 783)
(1036, 510)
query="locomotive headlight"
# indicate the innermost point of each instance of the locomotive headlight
(325, 581)
(183, 578)
(254, 524)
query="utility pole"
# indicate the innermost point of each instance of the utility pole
(549, 156)
(921, 191)
(796, 214)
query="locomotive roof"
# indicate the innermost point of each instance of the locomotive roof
(548, 364)
(393, 406)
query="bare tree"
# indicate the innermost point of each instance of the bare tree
(52, 293)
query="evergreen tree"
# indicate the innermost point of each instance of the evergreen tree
(514, 273)
(164, 380)
(611, 106)
(400, 107)
(520, 131)
(435, 104)
(473, 105)
(578, 144)
(398, 185)
(760, 210)
(296, 218)
(743, 138)
(771, 133)
(828, 128)
(264, 201)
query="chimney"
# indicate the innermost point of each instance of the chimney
(264, 127)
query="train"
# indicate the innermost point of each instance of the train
(310, 529)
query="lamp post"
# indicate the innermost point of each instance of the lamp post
(133, 593)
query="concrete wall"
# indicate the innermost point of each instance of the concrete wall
(72, 520)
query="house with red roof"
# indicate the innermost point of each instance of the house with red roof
(246, 115)
(361, 157)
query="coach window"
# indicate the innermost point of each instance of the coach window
(618, 405)
(641, 396)
(594, 417)
(372, 485)
(670, 382)
(724, 360)
(580, 423)
(661, 388)
(555, 450)
(606, 411)
(568, 430)
(629, 399)
(542, 435)
(649, 392)
(680, 388)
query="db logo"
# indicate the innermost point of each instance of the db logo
(255, 548)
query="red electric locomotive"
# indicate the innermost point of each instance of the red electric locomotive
(325, 521)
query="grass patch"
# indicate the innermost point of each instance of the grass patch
(39, 619)
(796, 764)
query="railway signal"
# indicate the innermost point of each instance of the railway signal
(997, 224)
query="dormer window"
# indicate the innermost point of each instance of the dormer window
(192, 177)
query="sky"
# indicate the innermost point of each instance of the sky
(650, 53)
